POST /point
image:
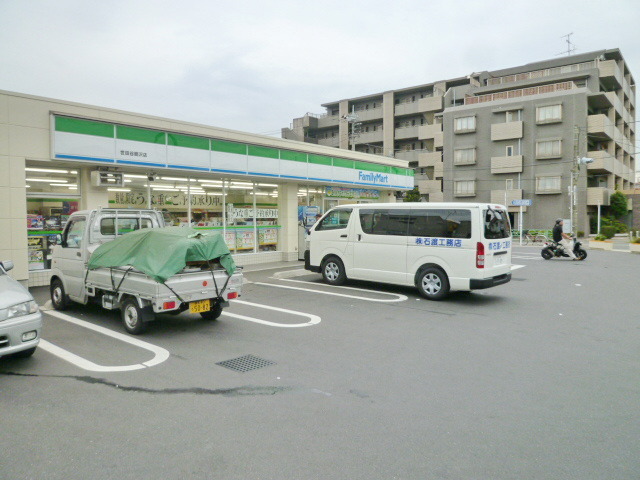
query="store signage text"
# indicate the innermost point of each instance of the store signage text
(178, 199)
(343, 192)
(233, 212)
(373, 177)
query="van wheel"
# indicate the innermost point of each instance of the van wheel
(132, 317)
(59, 298)
(433, 283)
(214, 313)
(333, 271)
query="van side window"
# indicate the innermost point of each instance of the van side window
(73, 233)
(385, 221)
(334, 220)
(446, 223)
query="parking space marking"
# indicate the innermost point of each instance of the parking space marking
(516, 267)
(399, 297)
(160, 354)
(313, 319)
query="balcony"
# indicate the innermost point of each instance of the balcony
(409, 108)
(438, 140)
(409, 155)
(369, 114)
(329, 142)
(511, 164)
(522, 92)
(506, 131)
(426, 132)
(429, 159)
(405, 132)
(520, 77)
(438, 170)
(598, 196)
(429, 186)
(431, 104)
(609, 70)
(600, 126)
(436, 197)
(603, 162)
(328, 121)
(504, 197)
(369, 137)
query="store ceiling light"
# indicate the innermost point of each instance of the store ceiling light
(129, 175)
(241, 187)
(242, 183)
(46, 180)
(165, 189)
(118, 189)
(267, 185)
(176, 179)
(219, 182)
(47, 170)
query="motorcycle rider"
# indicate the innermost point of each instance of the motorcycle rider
(563, 239)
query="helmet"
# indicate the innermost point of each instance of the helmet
(558, 221)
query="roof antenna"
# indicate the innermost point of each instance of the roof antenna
(571, 47)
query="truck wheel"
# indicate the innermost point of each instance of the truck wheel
(132, 317)
(59, 298)
(433, 283)
(333, 271)
(214, 313)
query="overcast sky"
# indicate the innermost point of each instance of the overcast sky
(254, 65)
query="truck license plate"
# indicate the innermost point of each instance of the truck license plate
(200, 306)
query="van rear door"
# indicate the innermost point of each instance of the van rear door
(497, 241)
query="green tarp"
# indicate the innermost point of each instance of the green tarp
(162, 252)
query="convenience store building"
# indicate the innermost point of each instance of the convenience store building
(260, 192)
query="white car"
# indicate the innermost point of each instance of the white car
(20, 318)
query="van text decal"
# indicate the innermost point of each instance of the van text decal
(499, 245)
(439, 242)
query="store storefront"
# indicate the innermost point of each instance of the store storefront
(256, 191)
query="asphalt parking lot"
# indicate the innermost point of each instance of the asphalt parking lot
(535, 379)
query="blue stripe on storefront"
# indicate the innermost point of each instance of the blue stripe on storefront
(146, 164)
(91, 159)
(266, 174)
(187, 167)
(228, 171)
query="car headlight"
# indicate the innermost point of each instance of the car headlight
(22, 309)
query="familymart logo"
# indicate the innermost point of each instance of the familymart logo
(371, 177)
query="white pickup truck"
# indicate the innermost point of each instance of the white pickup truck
(200, 287)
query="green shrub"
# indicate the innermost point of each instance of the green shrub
(580, 234)
(611, 222)
(600, 238)
(635, 240)
(608, 231)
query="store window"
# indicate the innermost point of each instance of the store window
(52, 195)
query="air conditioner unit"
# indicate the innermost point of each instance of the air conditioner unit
(107, 179)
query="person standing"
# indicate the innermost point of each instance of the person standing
(563, 239)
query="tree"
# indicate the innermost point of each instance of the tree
(618, 205)
(412, 196)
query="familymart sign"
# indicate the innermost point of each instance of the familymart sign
(92, 141)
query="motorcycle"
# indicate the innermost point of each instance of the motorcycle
(553, 249)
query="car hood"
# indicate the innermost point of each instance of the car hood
(11, 292)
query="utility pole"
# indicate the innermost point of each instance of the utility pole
(575, 172)
(352, 119)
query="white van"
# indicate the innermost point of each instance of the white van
(437, 247)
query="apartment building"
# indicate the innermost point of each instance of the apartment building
(505, 135)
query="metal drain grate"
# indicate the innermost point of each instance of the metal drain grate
(246, 363)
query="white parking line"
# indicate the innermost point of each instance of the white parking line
(399, 297)
(160, 354)
(516, 267)
(313, 319)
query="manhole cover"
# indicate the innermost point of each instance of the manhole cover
(246, 363)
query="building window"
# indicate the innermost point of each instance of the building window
(549, 114)
(509, 151)
(464, 156)
(465, 124)
(374, 104)
(548, 184)
(549, 149)
(464, 188)
(508, 184)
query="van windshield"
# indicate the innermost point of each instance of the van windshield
(496, 224)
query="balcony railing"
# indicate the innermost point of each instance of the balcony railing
(576, 67)
(521, 92)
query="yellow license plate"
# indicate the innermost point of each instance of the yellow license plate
(200, 306)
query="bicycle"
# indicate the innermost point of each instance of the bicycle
(533, 238)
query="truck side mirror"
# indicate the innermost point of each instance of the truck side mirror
(7, 265)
